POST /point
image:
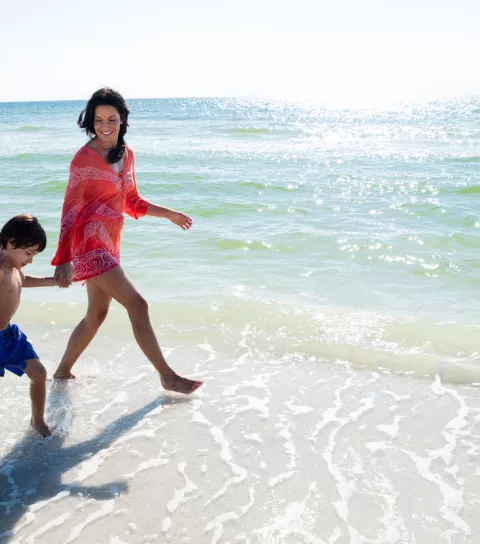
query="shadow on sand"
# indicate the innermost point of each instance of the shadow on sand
(31, 473)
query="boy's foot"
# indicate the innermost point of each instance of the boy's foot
(59, 375)
(41, 427)
(180, 385)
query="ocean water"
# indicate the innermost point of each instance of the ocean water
(328, 296)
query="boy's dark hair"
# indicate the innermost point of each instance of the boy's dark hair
(106, 97)
(23, 231)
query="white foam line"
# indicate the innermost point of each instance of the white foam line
(217, 524)
(119, 399)
(330, 415)
(117, 540)
(148, 433)
(60, 520)
(377, 446)
(255, 404)
(135, 379)
(241, 360)
(254, 437)
(121, 353)
(273, 482)
(296, 409)
(228, 370)
(291, 452)
(27, 520)
(337, 533)
(452, 428)
(30, 515)
(345, 488)
(452, 498)
(85, 503)
(106, 509)
(41, 504)
(239, 474)
(393, 524)
(91, 465)
(290, 523)
(446, 453)
(179, 497)
(151, 463)
(396, 397)
(198, 417)
(391, 430)
(209, 349)
(458, 422)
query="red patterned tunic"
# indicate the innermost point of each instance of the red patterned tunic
(92, 216)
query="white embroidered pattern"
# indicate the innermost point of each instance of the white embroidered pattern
(94, 263)
(77, 175)
(99, 208)
(97, 230)
(127, 180)
(69, 220)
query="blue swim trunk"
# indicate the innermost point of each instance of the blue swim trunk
(15, 351)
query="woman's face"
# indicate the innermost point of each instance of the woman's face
(107, 125)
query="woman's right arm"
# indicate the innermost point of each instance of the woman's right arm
(72, 207)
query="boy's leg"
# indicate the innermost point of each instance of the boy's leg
(98, 304)
(118, 286)
(38, 385)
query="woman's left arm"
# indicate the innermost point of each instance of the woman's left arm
(136, 206)
(177, 218)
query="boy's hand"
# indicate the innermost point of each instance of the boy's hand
(63, 275)
(180, 219)
(58, 284)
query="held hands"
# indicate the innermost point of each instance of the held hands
(63, 275)
(180, 219)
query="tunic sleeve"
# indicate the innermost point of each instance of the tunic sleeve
(135, 205)
(72, 206)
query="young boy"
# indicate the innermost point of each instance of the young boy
(20, 240)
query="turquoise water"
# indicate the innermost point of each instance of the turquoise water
(356, 227)
(328, 297)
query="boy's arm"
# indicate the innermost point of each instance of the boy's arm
(32, 281)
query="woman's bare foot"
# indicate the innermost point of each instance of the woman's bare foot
(41, 427)
(61, 375)
(180, 385)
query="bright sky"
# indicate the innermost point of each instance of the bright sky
(323, 49)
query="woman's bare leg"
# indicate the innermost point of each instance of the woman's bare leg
(118, 286)
(98, 304)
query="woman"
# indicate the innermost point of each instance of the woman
(101, 188)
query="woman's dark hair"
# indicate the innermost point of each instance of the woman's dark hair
(86, 120)
(23, 231)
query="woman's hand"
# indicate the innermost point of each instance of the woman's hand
(180, 219)
(63, 275)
